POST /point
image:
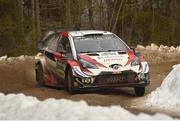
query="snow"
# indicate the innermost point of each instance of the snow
(161, 48)
(148, 48)
(154, 46)
(140, 47)
(3, 58)
(26, 107)
(167, 96)
(158, 54)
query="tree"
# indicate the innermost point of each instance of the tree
(33, 24)
(90, 11)
(117, 16)
(38, 26)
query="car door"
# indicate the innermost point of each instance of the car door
(64, 53)
(50, 51)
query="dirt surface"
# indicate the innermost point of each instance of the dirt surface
(14, 79)
(20, 78)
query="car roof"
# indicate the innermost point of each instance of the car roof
(88, 32)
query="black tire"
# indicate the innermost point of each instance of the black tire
(140, 91)
(39, 75)
(70, 82)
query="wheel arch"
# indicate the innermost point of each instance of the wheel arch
(70, 65)
(42, 63)
(38, 62)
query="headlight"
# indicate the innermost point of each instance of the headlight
(87, 64)
(135, 62)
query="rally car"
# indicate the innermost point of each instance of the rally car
(89, 59)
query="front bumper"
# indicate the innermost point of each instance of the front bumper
(109, 80)
(113, 86)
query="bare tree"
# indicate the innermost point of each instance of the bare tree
(117, 16)
(68, 12)
(33, 24)
(90, 11)
(21, 15)
(38, 26)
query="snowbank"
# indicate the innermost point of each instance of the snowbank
(167, 96)
(161, 48)
(158, 54)
(26, 107)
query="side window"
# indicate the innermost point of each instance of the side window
(48, 39)
(52, 45)
(64, 46)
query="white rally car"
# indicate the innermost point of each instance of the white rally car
(80, 60)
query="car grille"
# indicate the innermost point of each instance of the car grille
(127, 77)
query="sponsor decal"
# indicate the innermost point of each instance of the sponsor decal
(113, 59)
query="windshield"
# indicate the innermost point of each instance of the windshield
(99, 43)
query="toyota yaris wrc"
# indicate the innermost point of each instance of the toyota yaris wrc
(80, 60)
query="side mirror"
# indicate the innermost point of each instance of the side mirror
(137, 53)
(40, 45)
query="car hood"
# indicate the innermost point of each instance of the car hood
(106, 59)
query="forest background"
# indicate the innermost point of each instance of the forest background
(24, 22)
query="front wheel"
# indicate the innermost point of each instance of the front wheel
(140, 91)
(70, 82)
(39, 75)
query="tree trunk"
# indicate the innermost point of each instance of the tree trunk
(38, 26)
(113, 15)
(21, 16)
(90, 10)
(117, 16)
(33, 24)
(102, 15)
(68, 12)
(173, 19)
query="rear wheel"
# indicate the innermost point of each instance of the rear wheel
(39, 75)
(140, 91)
(70, 82)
